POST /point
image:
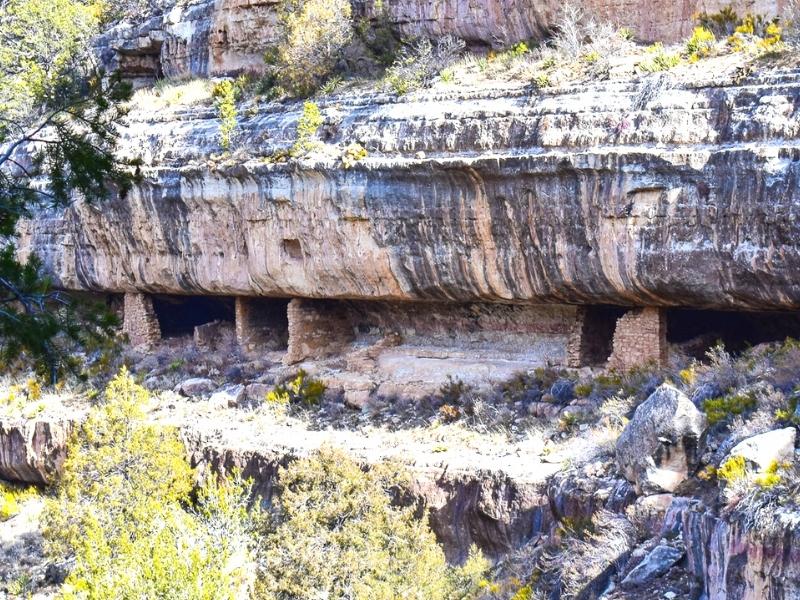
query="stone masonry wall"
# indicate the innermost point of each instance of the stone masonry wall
(640, 337)
(576, 344)
(317, 329)
(140, 322)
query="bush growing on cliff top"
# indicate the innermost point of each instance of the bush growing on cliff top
(301, 389)
(419, 63)
(337, 535)
(120, 510)
(224, 94)
(314, 33)
(307, 126)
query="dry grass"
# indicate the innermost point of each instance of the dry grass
(170, 93)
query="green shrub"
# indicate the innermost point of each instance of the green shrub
(517, 50)
(313, 35)
(417, 65)
(770, 477)
(659, 59)
(338, 535)
(121, 511)
(541, 80)
(11, 497)
(732, 470)
(719, 409)
(352, 154)
(308, 124)
(626, 33)
(700, 44)
(302, 389)
(722, 23)
(224, 94)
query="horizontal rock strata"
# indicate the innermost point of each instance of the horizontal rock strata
(654, 192)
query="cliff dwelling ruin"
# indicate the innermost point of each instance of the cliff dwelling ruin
(556, 335)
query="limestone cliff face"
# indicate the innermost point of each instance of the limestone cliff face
(651, 192)
(223, 37)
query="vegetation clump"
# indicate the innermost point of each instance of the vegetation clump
(353, 154)
(302, 389)
(700, 44)
(337, 534)
(419, 63)
(307, 126)
(124, 510)
(11, 498)
(314, 35)
(224, 94)
(659, 59)
(719, 409)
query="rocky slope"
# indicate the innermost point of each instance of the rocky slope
(223, 37)
(578, 521)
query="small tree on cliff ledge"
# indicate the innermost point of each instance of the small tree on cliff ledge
(58, 119)
(314, 32)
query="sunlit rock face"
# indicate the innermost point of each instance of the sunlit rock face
(222, 37)
(668, 193)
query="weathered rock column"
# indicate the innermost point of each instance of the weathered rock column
(640, 337)
(317, 329)
(140, 322)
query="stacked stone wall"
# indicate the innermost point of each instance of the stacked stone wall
(140, 323)
(317, 329)
(640, 337)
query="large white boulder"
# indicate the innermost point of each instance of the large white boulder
(661, 445)
(767, 448)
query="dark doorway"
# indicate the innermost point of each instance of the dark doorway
(179, 315)
(264, 322)
(695, 331)
(597, 334)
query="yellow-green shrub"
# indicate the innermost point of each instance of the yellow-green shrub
(314, 33)
(307, 125)
(659, 59)
(302, 389)
(352, 154)
(733, 469)
(719, 409)
(700, 43)
(120, 510)
(11, 497)
(770, 477)
(337, 535)
(224, 94)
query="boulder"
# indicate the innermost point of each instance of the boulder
(254, 395)
(214, 335)
(197, 386)
(563, 390)
(356, 399)
(229, 396)
(33, 451)
(766, 448)
(660, 560)
(661, 445)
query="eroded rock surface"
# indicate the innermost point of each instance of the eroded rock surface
(661, 445)
(619, 192)
(223, 37)
(32, 451)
